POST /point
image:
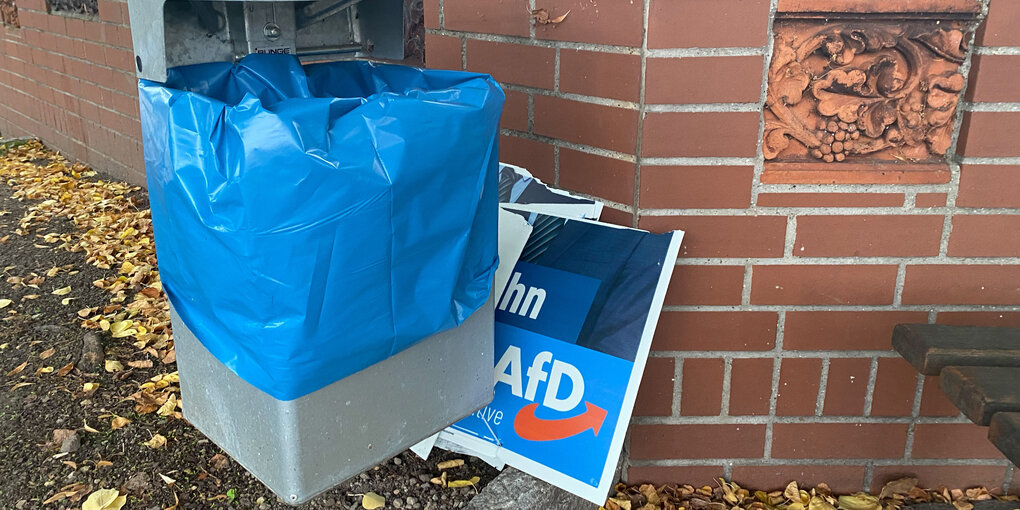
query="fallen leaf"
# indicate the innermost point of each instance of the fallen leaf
(156, 442)
(792, 492)
(371, 501)
(69, 463)
(85, 426)
(64, 370)
(44, 370)
(541, 17)
(47, 353)
(103, 463)
(112, 366)
(17, 369)
(168, 407)
(21, 385)
(104, 499)
(89, 387)
(450, 464)
(4, 303)
(63, 291)
(119, 422)
(145, 363)
(167, 479)
(859, 501)
(219, 461)
(67, 301)
(463, 483)
(901, 486)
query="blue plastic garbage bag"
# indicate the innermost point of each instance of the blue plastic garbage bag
(311, 221)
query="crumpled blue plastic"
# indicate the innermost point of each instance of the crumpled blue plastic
(312, 221)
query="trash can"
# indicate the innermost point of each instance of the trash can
(326, 235)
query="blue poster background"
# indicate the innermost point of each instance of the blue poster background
(582, 455)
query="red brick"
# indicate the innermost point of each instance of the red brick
(724, 236)
(696, 441)
(933, 401)
(655, 395)
(532, 66)
(823, 285)
(431, 13)
(694, 475)
(985, 236)
(928, 200)
(616, 216)
(114, 12)
(515, 111)
(999, 28)
(952, 440)
(600, 74)
(830, 199)
(702, 387)
(838, 440)
(841, 479)
(846, 386)
(707, 23)
(696, 187)
(509, 17)
(850, 331)
(586, 123)
(705, 285)
(700, 134)
(1003, 319)
(798, 386)
(618, 23)
(443, 52)
(537, 157)
(696, 80)
(962, 285)
(941, 476)
(868, 236)
(993, 78)
(895, 386)
(604, 177)
(750, 386)
(990, 134)
(716, 331)
(989, 186)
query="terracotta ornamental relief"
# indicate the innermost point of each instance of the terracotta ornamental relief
(863, 91)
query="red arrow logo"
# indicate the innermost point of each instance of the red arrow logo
(533, 428)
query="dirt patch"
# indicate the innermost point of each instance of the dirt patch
(44, 386)
(83, 7)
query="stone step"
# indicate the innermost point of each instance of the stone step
(1004, 433)
(981, 392)
(932, 347)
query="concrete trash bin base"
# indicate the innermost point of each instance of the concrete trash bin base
(302, 447)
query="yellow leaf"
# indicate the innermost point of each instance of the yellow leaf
(119, 326)
(63, 291)
(89, 387)
(21, 385)
(4, 303)
(371, 501)
(127, 267)
(168, 407)
(859, 501)
(463, 483)
(156, 442)
(104, 499)
(44, 370)
(113, 366)
(52, 271)
(119, 422)
(449, 464)
(104, 325)
(85, 426)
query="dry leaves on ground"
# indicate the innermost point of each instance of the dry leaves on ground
(730, 496)
(114, 230)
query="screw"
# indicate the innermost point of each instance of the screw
(272, 31)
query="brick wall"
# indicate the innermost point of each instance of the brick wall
(772, 358)
(70, 80)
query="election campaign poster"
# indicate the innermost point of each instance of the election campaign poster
(574, 325)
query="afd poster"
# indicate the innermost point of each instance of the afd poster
(574, 325)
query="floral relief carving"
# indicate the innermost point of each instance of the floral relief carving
(857, 92)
